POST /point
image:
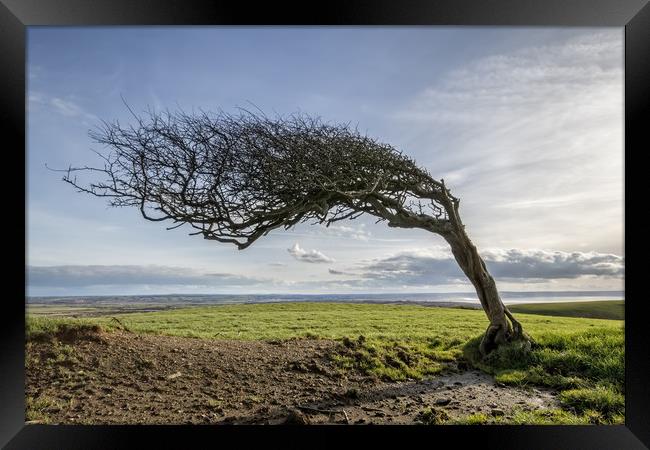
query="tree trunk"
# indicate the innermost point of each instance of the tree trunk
(503, 326)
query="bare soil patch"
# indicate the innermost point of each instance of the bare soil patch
(127, 378)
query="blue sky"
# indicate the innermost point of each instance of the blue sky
(524, 124)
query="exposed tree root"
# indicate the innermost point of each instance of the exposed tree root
(503, 332)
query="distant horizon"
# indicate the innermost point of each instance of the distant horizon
(338, 294)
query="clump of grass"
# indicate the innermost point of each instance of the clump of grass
(546, 417)
(473, 419)
(252, 399)
(40, 408)
(603, 400)
(433, 416)
(62, 354)
(553, 416)
(537, 376)
(596, 418)
(393, 360)
(215, 403)
(62, 329)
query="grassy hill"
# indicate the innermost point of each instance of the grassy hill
(608, 309)
(583, 358)
(325, 320)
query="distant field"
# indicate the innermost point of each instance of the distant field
(608, 309)
(326, 320)
(91, 310)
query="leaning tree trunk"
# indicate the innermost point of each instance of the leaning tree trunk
(503, 326)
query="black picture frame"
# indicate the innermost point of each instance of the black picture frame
(16, 15)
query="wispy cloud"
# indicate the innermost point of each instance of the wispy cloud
(311, 256)
(63, 106)
(357, 232)
(341, 272)
(34, 71)
(70, 109)
(536, 133)
(530, 79)
(277, 264)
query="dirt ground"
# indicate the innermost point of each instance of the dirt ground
(125, 378)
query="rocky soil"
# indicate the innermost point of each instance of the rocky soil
(126, 378)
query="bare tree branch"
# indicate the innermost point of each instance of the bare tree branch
(234, 178)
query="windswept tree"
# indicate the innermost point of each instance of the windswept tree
(234, 178)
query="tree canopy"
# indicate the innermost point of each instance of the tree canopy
(234, 178)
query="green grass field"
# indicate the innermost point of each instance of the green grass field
(581, 357)
(606, 309)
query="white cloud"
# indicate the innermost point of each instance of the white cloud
(531, 141)
(35, 98)
(128, 275)
(355, 231)
(34, 71)
(71, 109)
(358, 232)
(545, 264)
(436, 266)
(311, 256)
(61, 106)
(531, 79)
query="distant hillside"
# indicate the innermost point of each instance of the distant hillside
(608, 309)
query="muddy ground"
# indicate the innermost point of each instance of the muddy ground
(125, 378)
